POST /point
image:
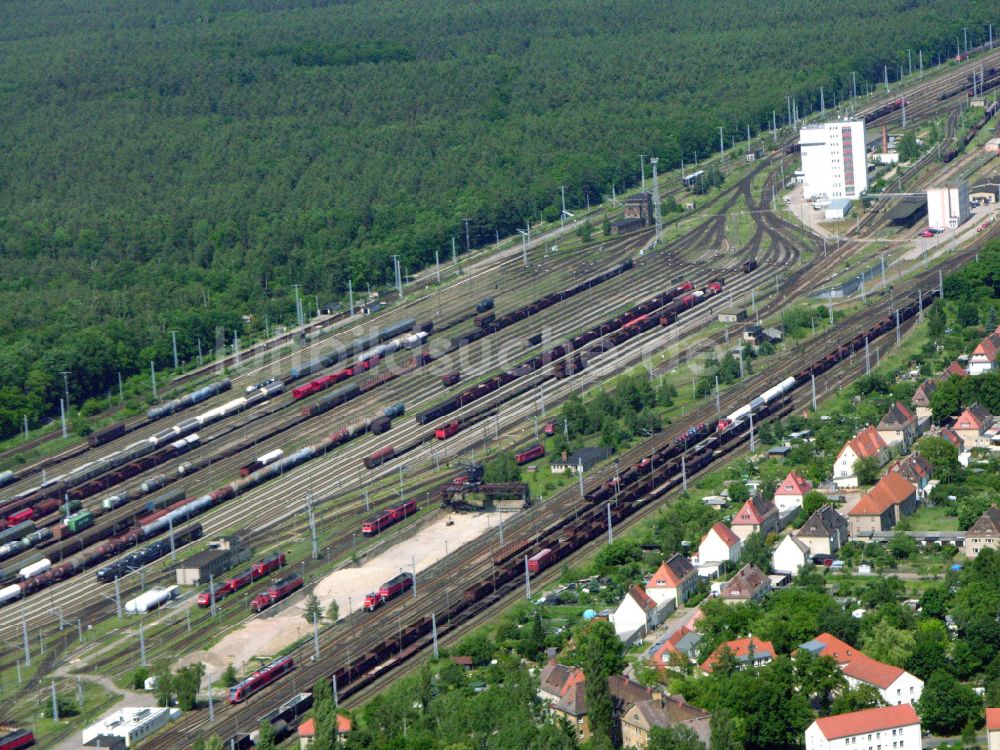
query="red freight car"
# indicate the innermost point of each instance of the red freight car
(20, 517)
(267, 565)
(540, 561)
(535, 451)
(14, 740)
(261, 679)
(379, 457)
(443, 433)
(451, 378)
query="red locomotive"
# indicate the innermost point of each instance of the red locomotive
(278, 590)
(388, 517)
(389, 590)
(268, 565)
(443, 433)
(221, 590)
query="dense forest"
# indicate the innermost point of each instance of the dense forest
(176, 165)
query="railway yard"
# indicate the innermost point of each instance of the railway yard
(323, 447)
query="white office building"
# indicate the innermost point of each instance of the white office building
(948, 206)
(131, 724)
(833, 159)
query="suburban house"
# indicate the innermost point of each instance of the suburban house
(868, 729)
(915, 469)
(638, 614)
(971, 426)
(719, 545)
(993, 728)
(756, 515)
(682, 642)
(922, 398)
(307, 731)
(984, 355)
(949, 434)
(789, 493)
(675, 579)
(985, 532)
(824, 531)
(891, 499)
(748, 652)
(790, 555)
(866, 444)
(898, 426)
(956, 369)
(664, 711)
(894, 684)
(749, 584)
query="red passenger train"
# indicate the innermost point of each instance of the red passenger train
(261, 679)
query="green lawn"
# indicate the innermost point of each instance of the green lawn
(933, 519)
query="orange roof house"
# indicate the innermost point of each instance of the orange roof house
(790, 491)
(749, 652)
(866, 444)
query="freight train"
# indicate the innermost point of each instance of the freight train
(330, 358)
(188, 399)
(959, 144)
(884, 110)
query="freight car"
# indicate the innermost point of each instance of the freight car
(190, 399)
(261, 461)
(106, 434)
(261, 679)
(535, 451)
(379, 457)
(451, 378)
(330, 358)
(147, 554)
(540, 561)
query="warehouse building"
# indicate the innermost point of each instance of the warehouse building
(948, 206)
(833, 159)
(130, 724)
(907, 212)
(221, 555)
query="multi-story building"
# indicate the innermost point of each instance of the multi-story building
(948, 206)
(833, 159)
(885, 728)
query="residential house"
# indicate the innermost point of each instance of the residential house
(922, 398)
(993, 728)
(984, 355)
(985, 532)
(891, 499)
(824, 531)
(307, 731)
(719, 545)
(949, 434)
(868, 729)
(915, 469)
(638, 614)
(562, 689)
(894, 684)
(898, 427)
(748, 652)
(683, 643)
(585, 458)
(756, 515)
(790, 491)
(956, 369)
(750, 584)
(866, 444)
(971, 426)
(664, 711)
(675, 579)
(790, 555)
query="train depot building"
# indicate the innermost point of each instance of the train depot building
(221, 555)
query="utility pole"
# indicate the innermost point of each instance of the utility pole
(611, 535)
(142, 646)
(722, 145)
(656, 200)
(527, 579)
(812, 378)
(885, 75)
(822, 101)
(312, 526)
(24, 635)
(468, 247)
(211, 704)
(920, 57)
(298, 305)
(55, 703)
(454, 255)
(642, 171)
(173, 336)
(965, 32)
(434, 634)
(868, 365)
(350, 287)
(399, 280)
(562, 214)
(854, 84)
(62, 416)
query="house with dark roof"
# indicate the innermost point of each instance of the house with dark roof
(757, 515)
(790, 555)
(866, 444)
(824, 531)
(675, 579)
(750, 584)
(898, 427)
(790, 491)
(922, 398)
(984, 533)
(586, 457)
(949, 434)
(719, 545)
(748, 652)
(890, 500)
(971, 426)
(638, 614)
(866, 729)
(682, 643)
(915, 469)
(658, 710)
(894, 684)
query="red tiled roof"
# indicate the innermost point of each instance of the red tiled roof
(950, 435)
(671, 573)
(956, 369)
(865, 444)
(724, 533)
(754, 512)
(856, 664)
(669, 646)
(344, 724)
(897, 416)
(307, 728)
(741, 650)
(641, 597)
(987, 348)
(973, 418)
(891, 489)
(794, 484)
(747, 582)
(868, 720)
(992, 718)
